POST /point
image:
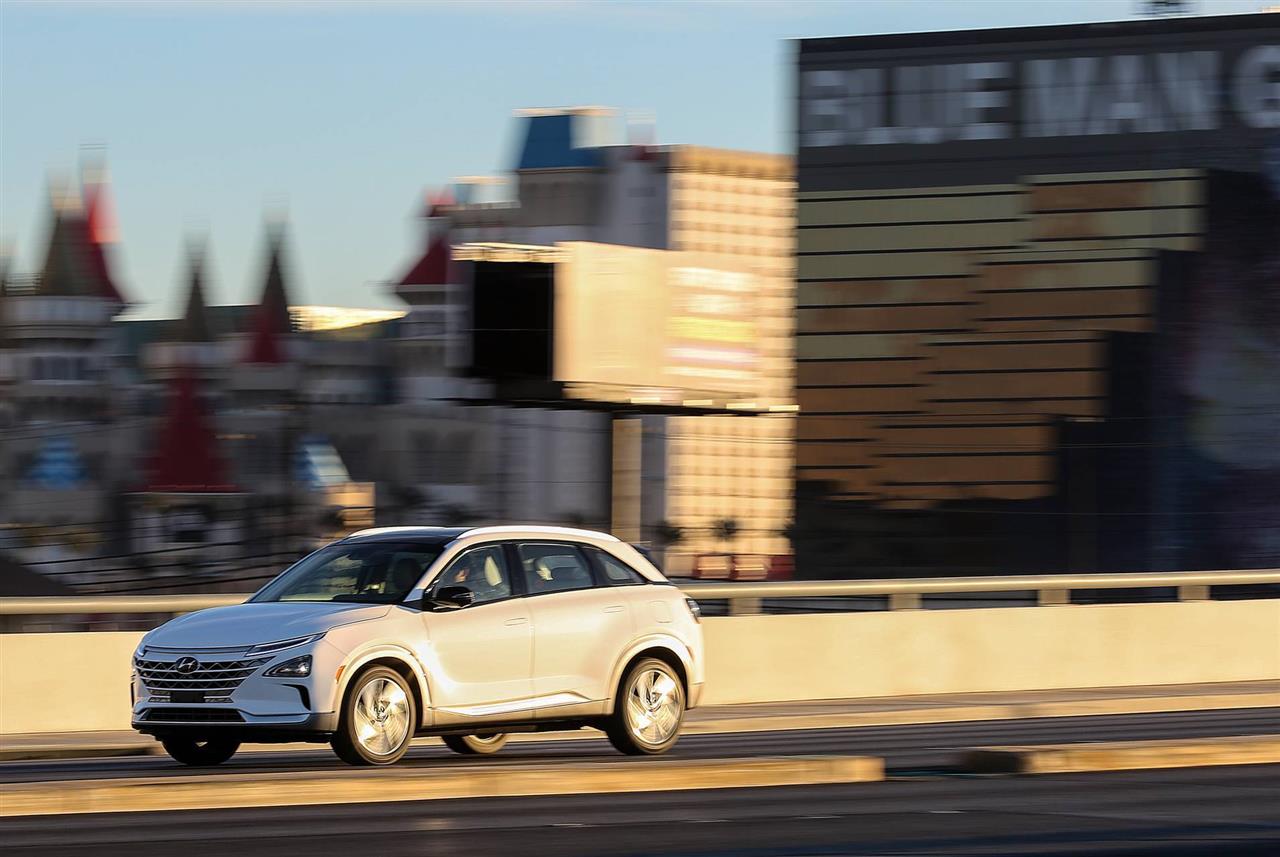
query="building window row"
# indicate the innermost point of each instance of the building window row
(61, 369)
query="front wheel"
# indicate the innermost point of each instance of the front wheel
(475, 745)
(378, 719)
(648, 711)
(200, 753)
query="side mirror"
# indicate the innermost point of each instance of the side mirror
(450, 598)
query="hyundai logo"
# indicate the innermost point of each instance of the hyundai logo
(186, 666)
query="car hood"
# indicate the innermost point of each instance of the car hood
(261, 622)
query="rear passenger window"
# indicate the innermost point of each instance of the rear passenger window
(616, 572)
(553, 568)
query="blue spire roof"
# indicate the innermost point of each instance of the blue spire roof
(561, 140)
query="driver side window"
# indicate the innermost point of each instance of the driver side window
(482, 570)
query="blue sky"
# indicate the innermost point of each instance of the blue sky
(343, 112)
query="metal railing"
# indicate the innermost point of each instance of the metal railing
(745, 597)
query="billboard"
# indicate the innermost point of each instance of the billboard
(654, 323)
(615, 324)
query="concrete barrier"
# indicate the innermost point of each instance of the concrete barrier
(904, 653)
(227, 791)
(1123, 755)
(68, 682)
(79, 681)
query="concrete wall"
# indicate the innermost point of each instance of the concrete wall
(75, 682)
(759, 658)
(61, 682)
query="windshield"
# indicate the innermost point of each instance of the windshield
(363, 572)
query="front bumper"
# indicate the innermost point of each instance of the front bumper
(262, 729)
(269, 708)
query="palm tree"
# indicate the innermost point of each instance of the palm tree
(790, 532)
(725, 529)
(454, 514)
(667, 534)
(573, 519)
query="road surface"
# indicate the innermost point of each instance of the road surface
(923, 809)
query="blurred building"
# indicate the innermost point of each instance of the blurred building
(733, 210)
(58, 367)
(234, 436)
(185, 442)
(1039, 298)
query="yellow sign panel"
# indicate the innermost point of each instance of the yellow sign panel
(663, 322)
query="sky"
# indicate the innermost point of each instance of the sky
(343, 114)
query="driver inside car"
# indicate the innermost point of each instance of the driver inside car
(481, 575)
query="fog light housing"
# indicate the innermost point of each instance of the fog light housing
(295, 668)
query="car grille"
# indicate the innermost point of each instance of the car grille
(192, 715)
(220, 677)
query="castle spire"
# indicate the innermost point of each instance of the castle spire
(271, 320)
(195, 326)
(67, 271)
(100, 227)
(433, 267)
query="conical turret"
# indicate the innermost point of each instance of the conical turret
(271, 322)
(195, 324)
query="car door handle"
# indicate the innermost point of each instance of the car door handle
(521, 621)
(614, 608)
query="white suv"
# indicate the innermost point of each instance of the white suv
(469, 634)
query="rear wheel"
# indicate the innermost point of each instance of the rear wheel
(378, 719)
(200, 752)
(475, 745)
(648, 711)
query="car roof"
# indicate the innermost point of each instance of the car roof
(527, 530)
(450, 533)
(392, 534)
(465, 536)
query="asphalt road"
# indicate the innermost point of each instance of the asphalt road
(921, 810)
(906, 748)
(1205, 811)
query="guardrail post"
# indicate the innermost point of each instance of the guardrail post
(1053, 597)
(744, 606)
(904, 601)
(1194, 592)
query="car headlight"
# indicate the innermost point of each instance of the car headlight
(281, 645)
(295, 668)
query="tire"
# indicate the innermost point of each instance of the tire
(378, 719)
(475, 745)
(200, 753)
(648, 710)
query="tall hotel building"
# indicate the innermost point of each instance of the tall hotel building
(711, 461)
(1038, 292)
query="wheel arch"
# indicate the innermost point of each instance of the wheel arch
(667, 649)
(395, 658)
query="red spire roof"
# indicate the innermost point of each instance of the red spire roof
(437, 200)
(195, 325)
(186, 455)
(433, 268)
(271, 319)
(100, 226)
